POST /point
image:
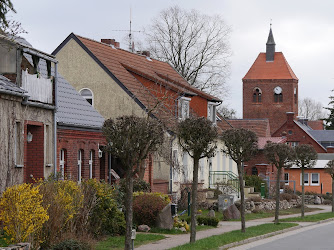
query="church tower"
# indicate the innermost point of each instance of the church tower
(270, 87)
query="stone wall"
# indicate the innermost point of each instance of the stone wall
(250, 206)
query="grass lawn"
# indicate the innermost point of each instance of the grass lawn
(174, 231)
(263, 214)
(310, 218)
(216, 241)
(117, 242)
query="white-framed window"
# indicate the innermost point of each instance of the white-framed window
(17, 147)
(185, 167)
(88, 95)
(175, 167)
(286, 178)
(48, 147)
(79, 164)
(306, 179)
(201, 166)
(184, 108)
(293, 143)
(62, 163)
(90, 162)
(315, 179)
(212, 112)
(218, 160)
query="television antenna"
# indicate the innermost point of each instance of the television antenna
(131, 43)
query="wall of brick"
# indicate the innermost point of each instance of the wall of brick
(74, 140)
(275, 112)
(296, 134)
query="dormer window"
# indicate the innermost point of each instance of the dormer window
(88, 95)
(212, 113)
(184, 108)
(257, 95)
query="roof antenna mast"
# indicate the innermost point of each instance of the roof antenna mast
(131, 45)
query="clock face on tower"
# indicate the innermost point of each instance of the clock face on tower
(277, 90)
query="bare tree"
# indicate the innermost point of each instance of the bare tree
(329, 168)
(241, 146)
(196, 45)
(131, 139)
(306, 157)
(226, 112)
(9, 27)
(281, 156)
(197, 136)
(310, 109)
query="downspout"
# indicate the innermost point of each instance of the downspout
(55, 119)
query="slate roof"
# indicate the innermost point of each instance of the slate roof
(277, 69)
(73, 109)
(7, 86)
(323, 135)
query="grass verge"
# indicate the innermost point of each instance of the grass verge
(266, 214)
(117, 242)
(175, 231)
(216, 241)
(310, 218)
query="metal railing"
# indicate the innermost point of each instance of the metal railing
(225, 178)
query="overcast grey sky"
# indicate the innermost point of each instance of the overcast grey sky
(303, 31)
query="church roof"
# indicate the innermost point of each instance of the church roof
(277, 69)
(259, 126)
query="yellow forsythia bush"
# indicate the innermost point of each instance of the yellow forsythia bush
(21, 212)
(165, 197)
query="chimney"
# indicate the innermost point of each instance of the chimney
(289, 118)
(330, 149)
(144, 53)
(110, 42)
(303, 120)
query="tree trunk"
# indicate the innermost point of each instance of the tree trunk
(194, 201)
(242, 194)
(303, 194)
(128, 208)
(332, 195)
(278, 178)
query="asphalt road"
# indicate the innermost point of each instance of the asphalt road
(319, 236)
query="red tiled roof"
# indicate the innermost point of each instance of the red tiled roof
(278, 69)
(258, 126)
(120, 62)
(262, 141)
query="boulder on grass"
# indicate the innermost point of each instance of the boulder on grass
(317, 200)
(231, 213)
(165, 219)
(211, 214)
(144, 228)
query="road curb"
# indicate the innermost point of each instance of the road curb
(260, 237)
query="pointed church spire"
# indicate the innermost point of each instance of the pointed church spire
(270, 50)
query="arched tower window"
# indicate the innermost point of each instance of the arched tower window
(257, 95)
(88, 95)
(278, 97)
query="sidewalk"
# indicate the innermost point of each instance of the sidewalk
(224, 226)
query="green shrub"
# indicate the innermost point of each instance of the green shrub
(138, 185)
(254, 181)
(105, 217)
(209, 221)
(146, 207)
(71, 244)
